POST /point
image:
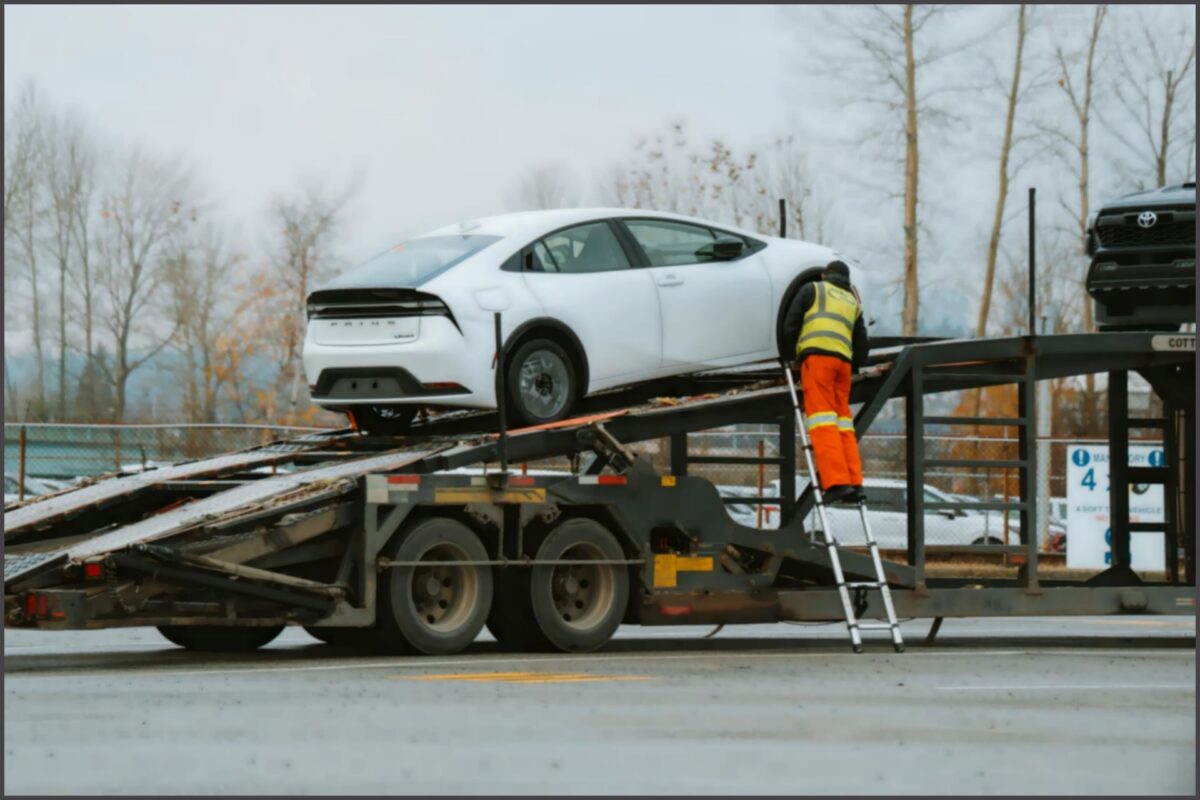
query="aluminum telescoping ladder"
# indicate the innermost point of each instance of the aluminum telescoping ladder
(853, 625)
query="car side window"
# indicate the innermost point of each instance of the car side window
(538, 259)
(885, 498)
(670, 244)
(584, 248)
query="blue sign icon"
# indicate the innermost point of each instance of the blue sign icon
(1081, 457)
(1157, 458)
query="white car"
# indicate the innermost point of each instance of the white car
(590, 299)
(887, 512)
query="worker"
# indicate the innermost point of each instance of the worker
(825, 322)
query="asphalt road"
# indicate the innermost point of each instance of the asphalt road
(1079, 706)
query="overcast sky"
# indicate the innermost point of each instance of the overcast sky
(441, 108)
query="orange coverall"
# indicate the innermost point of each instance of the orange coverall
(826, 383)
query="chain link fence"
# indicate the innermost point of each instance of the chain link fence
(885, 469)
(53, 454)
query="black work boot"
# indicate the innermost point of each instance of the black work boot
(839, 493)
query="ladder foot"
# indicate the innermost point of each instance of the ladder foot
(899, 648)
(858, 648)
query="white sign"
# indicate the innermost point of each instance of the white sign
(1089, 537)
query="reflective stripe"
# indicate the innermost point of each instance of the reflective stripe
(829, 323)
(845, 423)
(820, 418)
(821, 334)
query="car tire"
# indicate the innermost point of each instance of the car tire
(384, 420)
(220, 638)
(578, 608)
(541, 382)
(434, 610)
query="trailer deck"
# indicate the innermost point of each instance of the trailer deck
(320, 530)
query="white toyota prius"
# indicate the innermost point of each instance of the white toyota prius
(590, 299)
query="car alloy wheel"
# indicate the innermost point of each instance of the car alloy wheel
(541, 382)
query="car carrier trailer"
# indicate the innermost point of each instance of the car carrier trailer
(370, 542)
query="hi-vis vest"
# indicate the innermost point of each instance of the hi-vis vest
(829, 322)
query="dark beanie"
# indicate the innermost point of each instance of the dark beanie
(837, 268)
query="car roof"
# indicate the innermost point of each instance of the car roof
(534, 223)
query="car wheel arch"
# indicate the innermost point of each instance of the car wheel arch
(558, 331)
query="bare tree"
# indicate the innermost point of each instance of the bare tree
(25, 206)
(69, 174)
(198, 268)
(784, 172)
(1154, 67)
(549, 185)
(1077, 79)
(1014, 96)
(305, 227)
(893, 53)
(149, 204)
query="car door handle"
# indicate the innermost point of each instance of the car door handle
(670, 280)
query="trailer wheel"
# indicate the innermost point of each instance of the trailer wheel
(579, 607)
(430, 608)
(220, 638)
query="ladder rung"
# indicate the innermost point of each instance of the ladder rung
(997, 463)
(747, 460)
(865, 585)
(1147, 527)
(874, 626)
(1146, 422)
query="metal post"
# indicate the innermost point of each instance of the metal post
(501, 391)
(761, 469)
(914, 412)
(1042, 454)
(1032, 263)
(787, 472)
(1118, 466)
(22, 444)
(1027, 476)
(782, 218)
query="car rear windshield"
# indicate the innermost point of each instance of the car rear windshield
(413, 262)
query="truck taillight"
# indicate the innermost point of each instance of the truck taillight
(93, 570)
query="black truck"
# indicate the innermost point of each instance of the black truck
(1143, 269)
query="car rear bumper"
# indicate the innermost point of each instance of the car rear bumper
(439, 368)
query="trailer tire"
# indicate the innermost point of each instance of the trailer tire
(432, 610)
(579, 608)
(220, 638)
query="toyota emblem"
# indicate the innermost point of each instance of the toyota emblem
(1146, 219)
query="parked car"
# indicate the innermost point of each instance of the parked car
(887, 509)
(993, 522)
(742, 513)
(1143, 269)
(591, 299)
(33, 486)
